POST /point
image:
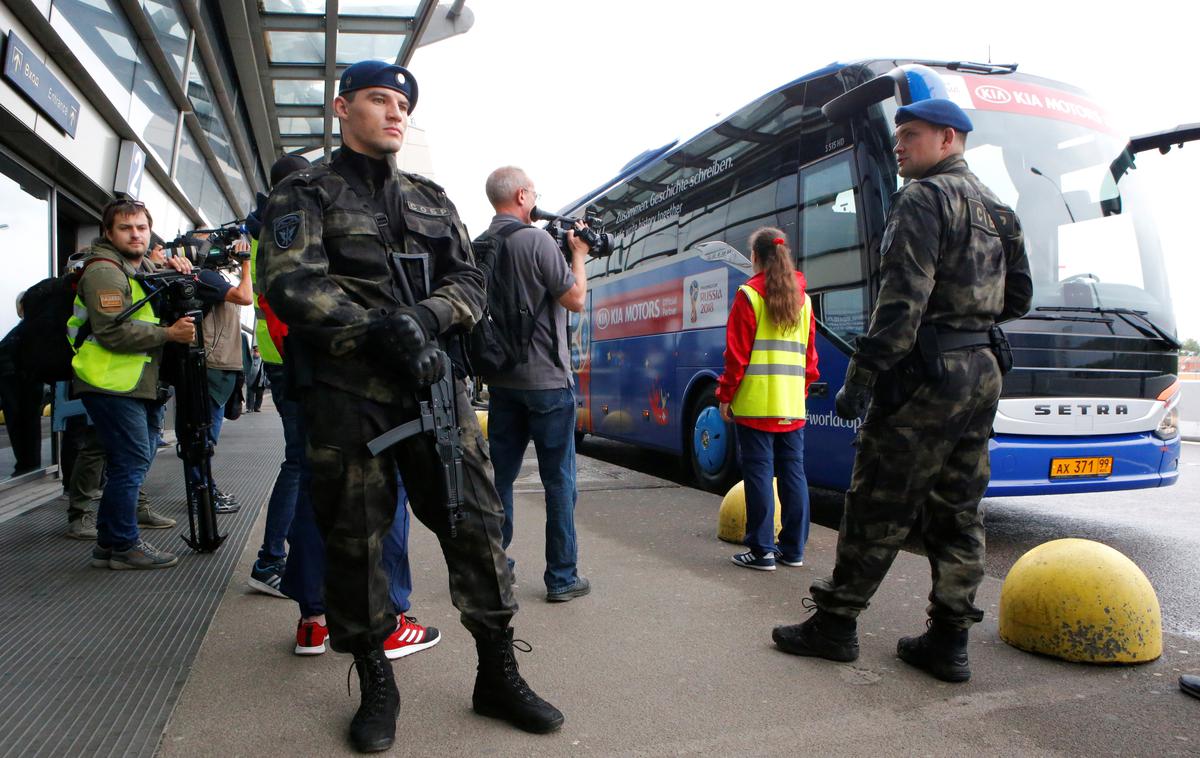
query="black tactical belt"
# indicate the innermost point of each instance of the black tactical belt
(958, 340)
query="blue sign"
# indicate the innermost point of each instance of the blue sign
(33, 78)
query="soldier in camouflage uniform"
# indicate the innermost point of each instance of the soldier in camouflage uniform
(372, 270)
(953, 266)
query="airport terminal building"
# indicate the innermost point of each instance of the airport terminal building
(182, 104)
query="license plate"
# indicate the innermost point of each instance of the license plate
(1068, 468)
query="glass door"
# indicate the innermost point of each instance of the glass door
(25, 241)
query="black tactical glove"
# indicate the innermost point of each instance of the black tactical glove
(405, 330)
(851, 400)
(426, 365)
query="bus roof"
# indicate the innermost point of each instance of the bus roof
(647, 157)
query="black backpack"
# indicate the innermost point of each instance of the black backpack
(44, 353)
(500, 341)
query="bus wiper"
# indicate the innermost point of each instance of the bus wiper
(1056, 317)
(1126, 314)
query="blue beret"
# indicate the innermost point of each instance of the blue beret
(936, 111)
(380, 74)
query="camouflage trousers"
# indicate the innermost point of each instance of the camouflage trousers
(925, 460)
(354, 500)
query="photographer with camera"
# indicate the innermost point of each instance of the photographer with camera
(535, 399)
(221, 304)
(116, 366)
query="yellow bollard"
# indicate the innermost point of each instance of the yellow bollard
(1081, 601)
(731, 520)
(481, 416)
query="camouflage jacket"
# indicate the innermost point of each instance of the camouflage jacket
(332, 267)
(943, 263)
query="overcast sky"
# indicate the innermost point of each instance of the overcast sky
(571, 90)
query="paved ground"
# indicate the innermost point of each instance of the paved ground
(671, 655)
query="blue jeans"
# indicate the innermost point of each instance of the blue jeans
(127, 431)
(304, 575)
(216, 419)
(764, 455)
(282, 505)
(548, 418)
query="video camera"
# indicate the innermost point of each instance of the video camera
(599, 242)
(211, 248)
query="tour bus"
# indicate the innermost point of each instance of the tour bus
(1092, 401)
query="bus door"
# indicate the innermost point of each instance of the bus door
(579, 337)
(832, 258)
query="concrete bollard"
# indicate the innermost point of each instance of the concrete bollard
(731, 520)
(1081, 601)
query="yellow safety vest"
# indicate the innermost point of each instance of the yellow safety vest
(262, 335)
(773, 385)
(99, 366)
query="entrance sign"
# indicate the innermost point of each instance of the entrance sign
(45, 91)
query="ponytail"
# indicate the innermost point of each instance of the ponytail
(774, 259)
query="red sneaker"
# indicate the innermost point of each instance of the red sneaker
(410, 637)
(310, 637)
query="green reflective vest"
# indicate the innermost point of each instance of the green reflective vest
(97, 365)
(262, 336)
(773, 385)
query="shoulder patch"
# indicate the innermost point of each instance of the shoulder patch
(286, 228)
(110, 300)
(426, 210)
(980, 218)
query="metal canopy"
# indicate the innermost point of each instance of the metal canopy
(300, 48)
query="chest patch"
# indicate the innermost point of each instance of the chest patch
(286, 228)
(110, 300)
(425, 210)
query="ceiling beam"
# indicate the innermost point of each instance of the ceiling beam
(331, 37)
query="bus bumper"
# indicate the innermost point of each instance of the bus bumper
(1021, 464)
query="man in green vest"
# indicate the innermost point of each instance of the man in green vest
(116, 376)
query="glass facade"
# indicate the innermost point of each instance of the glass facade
(102, 37)
(172, 31)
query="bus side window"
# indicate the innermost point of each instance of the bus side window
(831, 249)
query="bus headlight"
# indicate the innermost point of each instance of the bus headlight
(1168, 428)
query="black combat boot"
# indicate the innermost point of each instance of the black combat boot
(824, 635)
(373, 727)
(941, 651)
(501, 693)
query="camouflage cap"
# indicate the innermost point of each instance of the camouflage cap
(380, 74)
(937, 111)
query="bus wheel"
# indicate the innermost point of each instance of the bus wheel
(711, 449)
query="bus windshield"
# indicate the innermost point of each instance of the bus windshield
(1091, 238)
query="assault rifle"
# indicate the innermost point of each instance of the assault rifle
(439, 417)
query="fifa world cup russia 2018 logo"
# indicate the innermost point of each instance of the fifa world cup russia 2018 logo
(694, 295)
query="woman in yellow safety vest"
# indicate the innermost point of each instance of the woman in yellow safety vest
(770, 359)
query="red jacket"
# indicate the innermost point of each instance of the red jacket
(739, 341)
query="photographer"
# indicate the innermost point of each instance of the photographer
(116, 376)
(536, 399)
(222, 303)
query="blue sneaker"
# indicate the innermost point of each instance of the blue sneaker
(266, 577)
(751, 561)
(101, 556)
(790, 561)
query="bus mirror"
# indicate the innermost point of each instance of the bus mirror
(908, 84)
